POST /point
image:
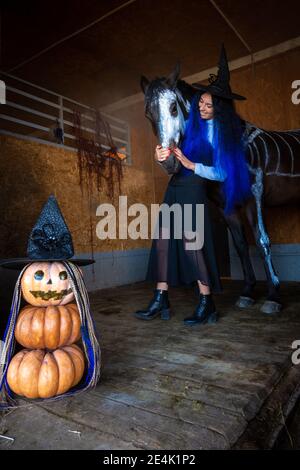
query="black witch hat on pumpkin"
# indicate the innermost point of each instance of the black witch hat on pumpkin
(50, 240)
(219, 84)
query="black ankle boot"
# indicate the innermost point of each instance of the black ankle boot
(159, 305)
(205, 312)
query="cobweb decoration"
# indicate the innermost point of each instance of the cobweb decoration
(94, 159)
(99, 163)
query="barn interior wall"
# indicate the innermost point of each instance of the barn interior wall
(30, 172)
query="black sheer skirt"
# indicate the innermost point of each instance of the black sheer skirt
(171, 259)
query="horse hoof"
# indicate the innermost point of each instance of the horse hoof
(244, 302)
(270, 307)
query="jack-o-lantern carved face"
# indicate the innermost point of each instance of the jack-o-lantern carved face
(46, 283)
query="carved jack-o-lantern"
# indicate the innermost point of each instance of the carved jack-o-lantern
(51, 323)
(46, 283)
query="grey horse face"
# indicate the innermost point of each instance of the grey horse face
(165, 107)
(170, 123)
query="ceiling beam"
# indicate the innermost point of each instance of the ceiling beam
(230, 24)
(201, 76)
(66, 38)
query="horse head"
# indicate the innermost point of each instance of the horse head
(167, 107)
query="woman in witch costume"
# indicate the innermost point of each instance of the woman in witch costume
(212, 149)
(52, 365)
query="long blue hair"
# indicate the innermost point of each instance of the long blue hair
(228, 148)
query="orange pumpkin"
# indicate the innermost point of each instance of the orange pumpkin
(48, 327)
(46, 283)
(42, 374)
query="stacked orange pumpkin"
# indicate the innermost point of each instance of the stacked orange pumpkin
(48, 327)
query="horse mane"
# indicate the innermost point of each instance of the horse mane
(183, 91)
(186, 89)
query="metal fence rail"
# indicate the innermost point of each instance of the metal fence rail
(34, 113)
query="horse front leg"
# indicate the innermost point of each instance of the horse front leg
(234, 223)
(255, 216)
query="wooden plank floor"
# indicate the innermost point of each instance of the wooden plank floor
(165, 385)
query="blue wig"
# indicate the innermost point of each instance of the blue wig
(228, 148)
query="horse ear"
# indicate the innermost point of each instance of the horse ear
(144, 82)
(173, 77)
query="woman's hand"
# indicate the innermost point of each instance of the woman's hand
(161, 154)
(182, 158)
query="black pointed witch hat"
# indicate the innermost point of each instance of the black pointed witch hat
(219, 84)
(49, 240)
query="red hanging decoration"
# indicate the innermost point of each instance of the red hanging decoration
(94, 161)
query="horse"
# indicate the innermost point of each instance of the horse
(273, 162)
